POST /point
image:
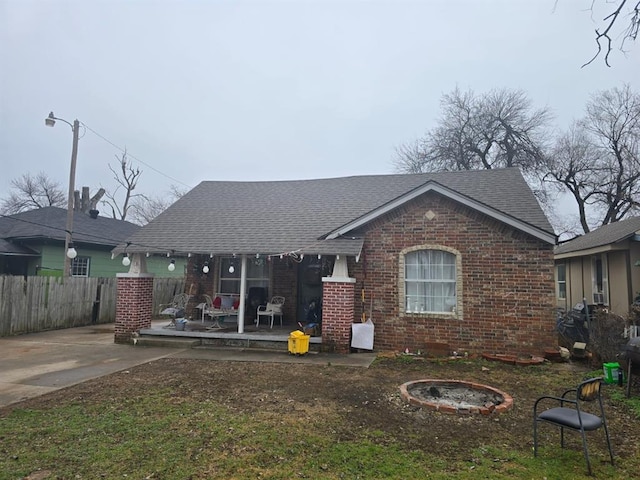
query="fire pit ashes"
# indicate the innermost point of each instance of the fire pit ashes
(455, 396)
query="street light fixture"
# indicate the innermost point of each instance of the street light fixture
(70, 252)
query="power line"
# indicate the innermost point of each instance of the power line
(134, 157)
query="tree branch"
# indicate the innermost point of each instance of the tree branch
(605, 36)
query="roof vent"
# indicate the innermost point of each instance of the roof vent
(93, 213)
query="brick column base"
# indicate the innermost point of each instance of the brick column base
(338, 309)
(134, 305)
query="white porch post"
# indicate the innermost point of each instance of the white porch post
(243, 291)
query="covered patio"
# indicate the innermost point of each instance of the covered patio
(208, 334)
(317, 292)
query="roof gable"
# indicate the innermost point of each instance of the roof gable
(433, 186)
(274, 217)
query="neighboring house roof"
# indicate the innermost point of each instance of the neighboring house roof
(601, 237)
(50, 223)
(8, 248)
(319, 216)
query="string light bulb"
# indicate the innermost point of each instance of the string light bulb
(172, 265)
(126, 261)
(205, 268)
(72, 252)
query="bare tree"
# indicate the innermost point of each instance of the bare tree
(613, 118)
(573, 165)
(598, 159)
(497, 129)
(127, 178)
(411, 157)
(30, 193)
(146, 208)
(610, 31)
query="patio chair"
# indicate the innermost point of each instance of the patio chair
(205, 306)
(571, 414)
(272, 309)
(176, 308)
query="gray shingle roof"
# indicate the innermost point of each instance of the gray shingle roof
(605, 235)
(8, 248)
(274, 217)
(50, 223)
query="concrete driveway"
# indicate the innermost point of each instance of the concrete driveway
(39, 363)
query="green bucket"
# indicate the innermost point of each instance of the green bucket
(611, 372)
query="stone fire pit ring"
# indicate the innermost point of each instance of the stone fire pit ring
(456, 397)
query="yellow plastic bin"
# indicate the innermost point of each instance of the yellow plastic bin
(298, 343)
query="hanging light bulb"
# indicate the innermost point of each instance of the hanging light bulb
(126, 261)
(71, 252)
(172, 265)
(205, 268)
(231, 269)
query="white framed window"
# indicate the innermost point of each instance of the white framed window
(561, 281)
(80, 266)
(257, 274)
(600, 279)
(430, 281)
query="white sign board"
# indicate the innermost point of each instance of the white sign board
(362, 335)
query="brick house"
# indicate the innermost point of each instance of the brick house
(456, 259)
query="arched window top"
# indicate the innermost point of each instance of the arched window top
(430, 279)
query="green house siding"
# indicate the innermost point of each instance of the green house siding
(51, 263)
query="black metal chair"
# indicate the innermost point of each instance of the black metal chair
(571, 414)
(257, 296)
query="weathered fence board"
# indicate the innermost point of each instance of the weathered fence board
(35, 304)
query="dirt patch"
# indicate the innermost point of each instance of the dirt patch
(357, 400)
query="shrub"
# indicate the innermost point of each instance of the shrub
(607, 336)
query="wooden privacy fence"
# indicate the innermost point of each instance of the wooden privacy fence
(35, 304)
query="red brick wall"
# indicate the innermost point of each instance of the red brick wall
(507, 295)
(337, 316)
(134, 306)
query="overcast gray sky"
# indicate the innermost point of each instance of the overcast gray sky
(271, 90)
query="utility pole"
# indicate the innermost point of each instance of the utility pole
(69, 251)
